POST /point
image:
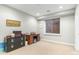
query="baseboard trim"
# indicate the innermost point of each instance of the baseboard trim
(69, 44)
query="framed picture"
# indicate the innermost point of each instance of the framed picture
(13, 23)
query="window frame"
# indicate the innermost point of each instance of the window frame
(45, 33)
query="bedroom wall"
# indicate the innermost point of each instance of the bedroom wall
(28, 23)
(77, 28)
(66, 31)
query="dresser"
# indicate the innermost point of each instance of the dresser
(12, 43)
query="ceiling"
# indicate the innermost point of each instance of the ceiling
(41, 9)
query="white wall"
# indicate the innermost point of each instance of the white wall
(77, 28)
(66, 29)
(28, 23)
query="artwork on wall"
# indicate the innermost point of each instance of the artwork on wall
(13, 23)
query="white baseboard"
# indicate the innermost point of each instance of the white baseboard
(70, 44)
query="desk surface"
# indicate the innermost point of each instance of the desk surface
(33, 34)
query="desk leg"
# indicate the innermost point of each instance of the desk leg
(30, 40)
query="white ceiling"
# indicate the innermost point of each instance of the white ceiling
(41, 9)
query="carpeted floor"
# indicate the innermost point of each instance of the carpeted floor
(43, 48)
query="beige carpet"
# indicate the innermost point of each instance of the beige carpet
(43, 48)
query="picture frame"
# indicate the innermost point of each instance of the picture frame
(13, 23)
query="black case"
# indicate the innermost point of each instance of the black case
(12, 43)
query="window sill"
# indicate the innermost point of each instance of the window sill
(52, 34)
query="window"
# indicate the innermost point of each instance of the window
(53, 26)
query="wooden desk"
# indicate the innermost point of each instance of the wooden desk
(32, 38)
